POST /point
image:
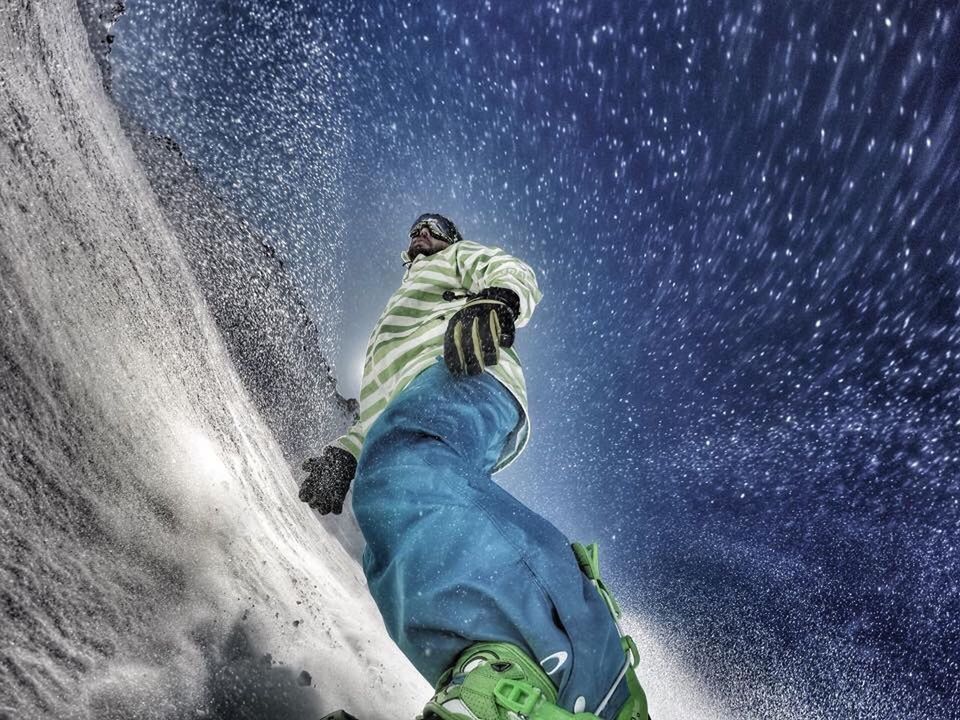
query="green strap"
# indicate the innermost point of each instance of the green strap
(527, 702)
(516, 695)
(630, 650)
(589, 560)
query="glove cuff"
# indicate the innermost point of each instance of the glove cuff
(505, 295)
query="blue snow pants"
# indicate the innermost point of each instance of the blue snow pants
(452, 559)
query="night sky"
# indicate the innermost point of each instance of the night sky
(745, 372)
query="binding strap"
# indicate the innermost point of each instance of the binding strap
(588, 557)
(589, 560)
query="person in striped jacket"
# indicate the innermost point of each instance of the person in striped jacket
(488, 600)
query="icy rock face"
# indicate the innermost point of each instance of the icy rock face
(269, 334)
(257, 306)
(258, 309)
(266, 326)
(154, 556)
(98, 19)
(271, 338)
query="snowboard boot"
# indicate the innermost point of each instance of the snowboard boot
(494, 681)
(498, 681)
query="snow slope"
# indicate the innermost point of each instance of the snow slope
(155, 560)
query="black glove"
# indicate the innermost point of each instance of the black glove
(479, 329)
(330, 476)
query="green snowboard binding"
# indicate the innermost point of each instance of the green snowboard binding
(498, 681)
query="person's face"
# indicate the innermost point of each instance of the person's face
(423, 242)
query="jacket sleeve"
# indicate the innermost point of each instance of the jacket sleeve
(352, 441)
(484, 267)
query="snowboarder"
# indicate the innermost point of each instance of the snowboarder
(488, 600)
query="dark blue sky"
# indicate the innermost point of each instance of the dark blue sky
(745, 373)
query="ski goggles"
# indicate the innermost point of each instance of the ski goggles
(434, 227)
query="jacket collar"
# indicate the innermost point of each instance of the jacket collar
(405, 256)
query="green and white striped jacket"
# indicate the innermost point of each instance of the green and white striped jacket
(408, 337)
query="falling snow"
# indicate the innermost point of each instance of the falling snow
(745, 373)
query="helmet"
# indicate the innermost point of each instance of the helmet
(440, 227)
